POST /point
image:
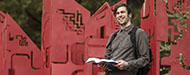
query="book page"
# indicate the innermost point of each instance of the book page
(97, 60)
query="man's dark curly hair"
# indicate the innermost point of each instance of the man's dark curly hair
(120, 5)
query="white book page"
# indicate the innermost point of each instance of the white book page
(97, 60)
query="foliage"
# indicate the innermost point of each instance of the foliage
(27, 14)
(94, 5)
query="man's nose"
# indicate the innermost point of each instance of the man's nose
(120, 14)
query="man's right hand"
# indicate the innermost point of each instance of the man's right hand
(103, 66)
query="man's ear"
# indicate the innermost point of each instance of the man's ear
(130, 15)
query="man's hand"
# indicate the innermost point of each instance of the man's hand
(122, 64)
(103, 66)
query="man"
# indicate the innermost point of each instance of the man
(121, 48)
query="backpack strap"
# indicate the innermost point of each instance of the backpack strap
(112, 38)
(132, 34)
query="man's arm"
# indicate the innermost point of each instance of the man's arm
(142, 46)
(107, 54)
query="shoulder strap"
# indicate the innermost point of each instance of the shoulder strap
(132, 34)
(112, 38)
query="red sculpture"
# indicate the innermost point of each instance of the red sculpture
(19, 55)
(70, 36)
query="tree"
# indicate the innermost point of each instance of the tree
(27, 14)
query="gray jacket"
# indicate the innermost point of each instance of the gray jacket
(121, 49)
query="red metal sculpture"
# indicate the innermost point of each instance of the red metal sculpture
(148, 23)
(63, 40)
(178, 19)
(20, 56)
(70, 36)
(2, 59)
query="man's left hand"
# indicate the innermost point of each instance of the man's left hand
(122, 64)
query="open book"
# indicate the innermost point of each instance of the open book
(97, 61)
(103, 61)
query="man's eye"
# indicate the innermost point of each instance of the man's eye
(122, 11)
(117, 12)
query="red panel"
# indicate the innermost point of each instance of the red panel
(21, 54)
(98, 30)
(171, 5)
(45, 37)
(179, 58)
(67, 27)
(148, 23)
(182, 48)
(97, 36)
(63, 26)
(162, 20)
(67, 69)
(2, 51)
(77, 53)
(145, 10)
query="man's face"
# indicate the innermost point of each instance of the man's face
(122, 16)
